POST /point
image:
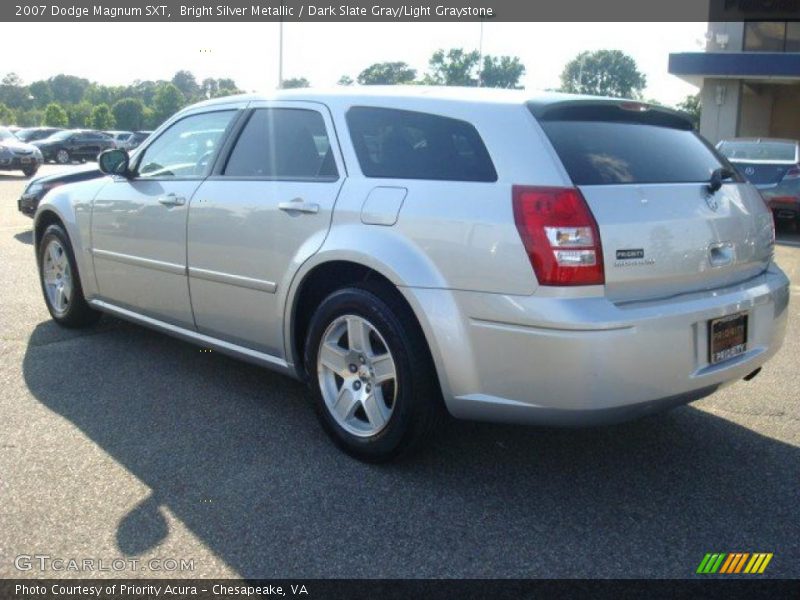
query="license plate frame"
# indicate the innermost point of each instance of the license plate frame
(727, 337)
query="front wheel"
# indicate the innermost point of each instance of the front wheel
(370, 373)
(30, 171)
(61, 286)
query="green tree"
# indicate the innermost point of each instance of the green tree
(691, 105)
(209, 87)
(102, 118)
(167, 101)
(603, 73)
(129, 113)
(41, 92)
(79, 114)
(149, 118)
(295, 82)
(68, 89)
(387, 73)
(12, 79)
(6, 115)
(456, 67)
(30, 117)
(55, 116)
(227, 87)
(345, 80)
(187, 84)
(13, 93)
(502, 72)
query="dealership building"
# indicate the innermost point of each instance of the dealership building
(749, 77)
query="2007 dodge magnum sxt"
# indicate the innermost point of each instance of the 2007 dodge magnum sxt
(501, 256)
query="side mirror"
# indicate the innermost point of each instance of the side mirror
(114, 161)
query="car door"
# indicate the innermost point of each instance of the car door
(265, 210)
(139, 223)
(73, 145)
(86, 146)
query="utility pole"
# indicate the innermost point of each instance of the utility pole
(480, 57)
(280, 50)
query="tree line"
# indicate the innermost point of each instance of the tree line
(75, 102)
(69, 101)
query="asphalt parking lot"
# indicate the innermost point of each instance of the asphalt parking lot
(121, 442)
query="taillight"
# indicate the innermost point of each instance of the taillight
(792, 173)
(560, 235)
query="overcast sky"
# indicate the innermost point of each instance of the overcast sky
(118, 53)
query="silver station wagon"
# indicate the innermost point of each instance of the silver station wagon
(410, 253)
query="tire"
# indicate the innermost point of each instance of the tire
(30, 171)
(377, 420)
(63, 157)
(57, 268)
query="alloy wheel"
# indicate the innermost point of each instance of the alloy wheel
(357, 375)
(57, 277)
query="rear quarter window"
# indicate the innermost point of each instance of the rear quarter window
(606, 152)
(405, 144)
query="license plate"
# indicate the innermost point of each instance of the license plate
(727, 337)
(25, 161)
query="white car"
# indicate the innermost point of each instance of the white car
(121, 138)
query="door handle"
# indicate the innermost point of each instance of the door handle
(172, 200)
(297, 205)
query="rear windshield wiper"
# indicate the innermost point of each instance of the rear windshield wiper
(717, 177)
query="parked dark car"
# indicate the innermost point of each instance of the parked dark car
(16, 155)
(31, 134)
(773, 166)
(37, 188)
(67, 146)
(136, 139)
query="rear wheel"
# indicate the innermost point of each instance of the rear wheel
(61, 285)
(370, 374)
(63, 157)
(30, 171)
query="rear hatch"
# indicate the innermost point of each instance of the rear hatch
(644, 174)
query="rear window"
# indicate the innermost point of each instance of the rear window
(605, 152)
(755, 150)
(413, 145)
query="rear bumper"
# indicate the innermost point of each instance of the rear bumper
(582, 361)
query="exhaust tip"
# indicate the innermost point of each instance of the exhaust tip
(753, 374)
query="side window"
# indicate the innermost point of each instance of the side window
(283, 143)
(413, 145)
(186, 148)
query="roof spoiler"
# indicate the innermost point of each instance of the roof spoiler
(623, 111)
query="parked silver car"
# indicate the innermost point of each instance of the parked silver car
(412, 252)
(18, 155)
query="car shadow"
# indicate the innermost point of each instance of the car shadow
(6, 176)
(26, 237)
(234, 451)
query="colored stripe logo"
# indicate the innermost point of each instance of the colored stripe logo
(734, 562)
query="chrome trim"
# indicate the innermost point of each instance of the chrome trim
(194, 337)
(138, 261)
(261, 285)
